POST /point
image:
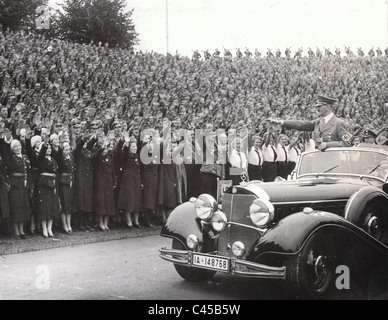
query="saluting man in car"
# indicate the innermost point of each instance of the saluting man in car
(328, 130)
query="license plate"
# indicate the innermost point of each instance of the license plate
(209, 262)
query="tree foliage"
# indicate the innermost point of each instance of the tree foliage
(104, 21)
(16, 14)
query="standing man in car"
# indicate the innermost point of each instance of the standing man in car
(328, 130)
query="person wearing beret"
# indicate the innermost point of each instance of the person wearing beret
(328, 130)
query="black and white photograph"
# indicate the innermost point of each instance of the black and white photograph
(193, 155)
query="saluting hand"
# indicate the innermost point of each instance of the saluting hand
(28, 132)
(7, 134)
(275, 121)
(322, 146)
(126, 137)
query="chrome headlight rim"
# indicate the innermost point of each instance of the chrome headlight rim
(261, 212)
(205, 206)
(219, 221)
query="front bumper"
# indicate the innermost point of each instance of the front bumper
(237, 267)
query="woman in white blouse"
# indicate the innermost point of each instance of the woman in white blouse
(255, 159)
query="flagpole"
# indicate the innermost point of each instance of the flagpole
(387, 20)
(167, 26)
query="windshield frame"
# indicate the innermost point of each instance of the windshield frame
(330, 174)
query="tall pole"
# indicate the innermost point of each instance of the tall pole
(386, 2)
(167, 26)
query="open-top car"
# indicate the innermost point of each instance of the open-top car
(332, 213)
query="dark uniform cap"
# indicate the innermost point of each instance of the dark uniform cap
(322, 100)
(369, 134)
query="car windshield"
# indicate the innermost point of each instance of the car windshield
(347, 162)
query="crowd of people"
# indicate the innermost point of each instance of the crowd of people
(77, 122)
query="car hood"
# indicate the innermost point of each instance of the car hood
(319, 189)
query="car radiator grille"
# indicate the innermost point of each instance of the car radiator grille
(236, 208)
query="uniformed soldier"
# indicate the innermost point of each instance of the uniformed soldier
(216, 53)
(207, 55)
(328, 131)
(311, 53)
(369, 136)
(248, 53)
(238, 53)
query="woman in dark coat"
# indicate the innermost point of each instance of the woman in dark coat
(4, 186)
(119, 173)
(192, 165)
(66, 170)
(19, 170)
(83, 199)
(104, 185)
(168, 176)
(150, 180)
(48, 207)
(130, 193)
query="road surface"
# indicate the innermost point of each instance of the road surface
(126, 269)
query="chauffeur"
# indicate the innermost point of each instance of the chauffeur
(328, 131)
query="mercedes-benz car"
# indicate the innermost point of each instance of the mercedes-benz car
(331, 213)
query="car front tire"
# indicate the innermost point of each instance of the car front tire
(311, 272)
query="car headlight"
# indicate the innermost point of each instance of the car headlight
(205, 206)
(238, 249)
(261, 212)
(219, 221)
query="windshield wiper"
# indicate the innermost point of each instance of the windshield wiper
(378, 166)
(330, 169)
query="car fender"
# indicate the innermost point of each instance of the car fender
(290, 234)
(359, 200)
(182, 222)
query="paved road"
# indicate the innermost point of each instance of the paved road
(126, 269)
